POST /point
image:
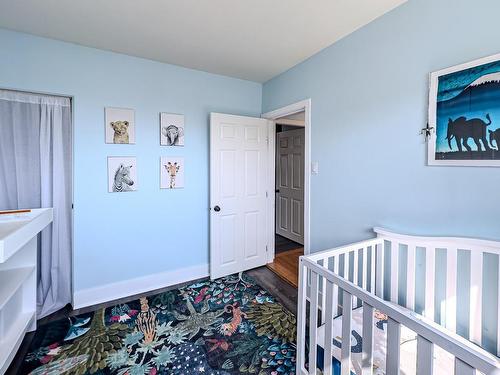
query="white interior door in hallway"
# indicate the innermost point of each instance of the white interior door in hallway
(290, 184)
(239, 193)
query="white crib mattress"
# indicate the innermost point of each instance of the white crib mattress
(443, 361)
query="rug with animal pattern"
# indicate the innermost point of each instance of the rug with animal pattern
(226, 326)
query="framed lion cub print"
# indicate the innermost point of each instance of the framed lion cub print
(120, 125)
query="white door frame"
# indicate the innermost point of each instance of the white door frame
(304, 105)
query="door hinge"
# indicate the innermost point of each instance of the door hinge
(267, 194)
(267, 249)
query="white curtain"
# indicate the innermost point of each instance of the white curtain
(36, 171)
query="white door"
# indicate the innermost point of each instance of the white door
(238, 193)
(290, 185)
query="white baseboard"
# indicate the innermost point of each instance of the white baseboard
(121, 289)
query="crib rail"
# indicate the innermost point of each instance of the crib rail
(476, 252)
(345, 261)
(313, 276)
(389, 267)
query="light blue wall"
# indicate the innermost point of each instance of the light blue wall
(122, 236)
(369, 102)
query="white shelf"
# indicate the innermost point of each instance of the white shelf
(11, 280)
(17, 229)
(9, 344)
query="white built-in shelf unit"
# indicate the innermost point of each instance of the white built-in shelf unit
(18, 262)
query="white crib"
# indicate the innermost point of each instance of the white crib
(394, 264)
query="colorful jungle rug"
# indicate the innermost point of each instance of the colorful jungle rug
(226, 326)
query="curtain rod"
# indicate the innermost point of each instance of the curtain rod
(70, 97)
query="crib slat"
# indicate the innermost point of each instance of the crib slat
(335, 287)
(451, 289)
(372, 265)
(410, 277)
(393, 346)
(313, 321)
(346, 265)
(364, 271)
(322, 288)
(476, 292)
(355, 274)
(430, 275)
(462, 368)
(367, 359)
(425, 356)
(379, 289)
(327, 358)
(301, 318)
(345, 356)
(394, 271)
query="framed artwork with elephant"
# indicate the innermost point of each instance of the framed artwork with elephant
(464, 112)
(171, 129)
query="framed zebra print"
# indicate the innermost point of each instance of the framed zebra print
(122, 174)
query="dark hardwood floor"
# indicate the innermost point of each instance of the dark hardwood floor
(280, 289)
(282, 244)
(285, 293)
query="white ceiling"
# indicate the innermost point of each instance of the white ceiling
(253, 39)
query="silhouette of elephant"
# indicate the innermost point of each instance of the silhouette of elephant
(462, 129)
(495, 136)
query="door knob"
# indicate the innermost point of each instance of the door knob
(216, 208)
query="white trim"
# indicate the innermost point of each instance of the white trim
(304, 105)
(433, 88)
(125, 288)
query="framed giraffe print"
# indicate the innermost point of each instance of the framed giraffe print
(464, 114)
(171, 172)
(122, 174)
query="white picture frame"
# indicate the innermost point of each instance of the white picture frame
(482, 72)
(172, 129)
(122, 174)
(172, 172)
(119, 125)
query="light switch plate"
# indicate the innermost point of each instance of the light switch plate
(314, 167)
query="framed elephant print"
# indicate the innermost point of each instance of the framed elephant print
(171, 129)
(464, 113)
